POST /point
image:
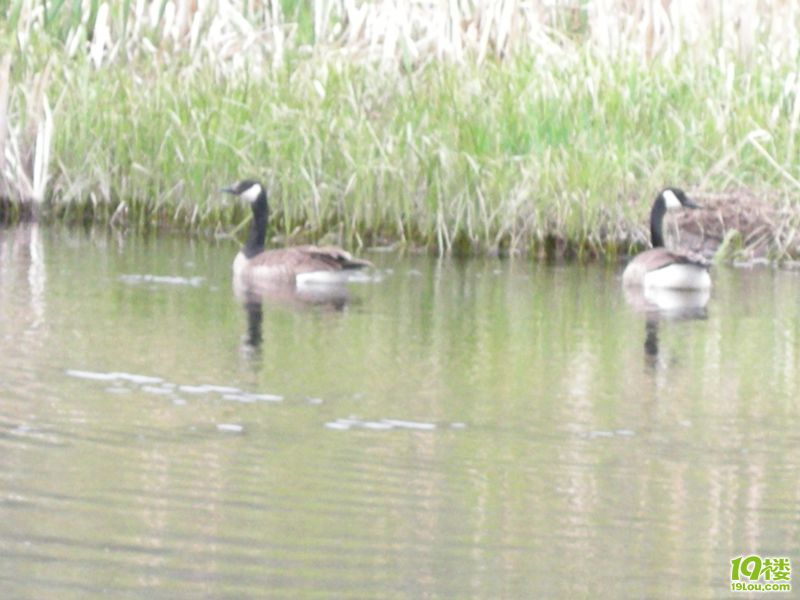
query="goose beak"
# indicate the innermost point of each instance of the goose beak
(691, 203)
(227, 190)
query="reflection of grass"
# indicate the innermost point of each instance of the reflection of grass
(533, 152)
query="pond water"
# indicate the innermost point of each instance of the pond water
(483, 428)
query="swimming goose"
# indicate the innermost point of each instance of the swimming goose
(662, 268)
(299, 264)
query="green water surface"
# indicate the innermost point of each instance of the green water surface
(486, 429)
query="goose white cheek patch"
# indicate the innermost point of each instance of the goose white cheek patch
(670, 199)
(251, 193)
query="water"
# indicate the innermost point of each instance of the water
(445, 429)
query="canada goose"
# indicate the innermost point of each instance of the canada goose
(299, 264)
(662, 268)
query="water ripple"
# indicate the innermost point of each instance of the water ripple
(387, 424)
(136, 279)
(157, 386)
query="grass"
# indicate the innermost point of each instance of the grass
(517, 152)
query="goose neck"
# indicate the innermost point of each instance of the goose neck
(258, 227)
(657, 222)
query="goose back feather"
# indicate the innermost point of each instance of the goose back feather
(659, 267)
(287, 263)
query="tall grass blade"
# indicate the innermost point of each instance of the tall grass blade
(5, 88)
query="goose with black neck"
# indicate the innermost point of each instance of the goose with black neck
(662, 268)
(298, 265)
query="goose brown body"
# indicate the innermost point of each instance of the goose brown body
(649, 262)
(287, 263)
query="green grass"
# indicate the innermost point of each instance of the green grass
(518, 155)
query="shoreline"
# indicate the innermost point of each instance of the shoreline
(739, 228)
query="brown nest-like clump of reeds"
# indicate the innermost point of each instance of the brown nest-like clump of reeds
(741, 225)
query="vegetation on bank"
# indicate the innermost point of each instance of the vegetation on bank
(507, 136)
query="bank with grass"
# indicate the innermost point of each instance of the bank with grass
(452, 131)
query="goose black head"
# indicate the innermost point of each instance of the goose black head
(670, 198)
(675, 198)
(249, 189)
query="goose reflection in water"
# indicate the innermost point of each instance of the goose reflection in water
(665, 305)
(326, 297)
